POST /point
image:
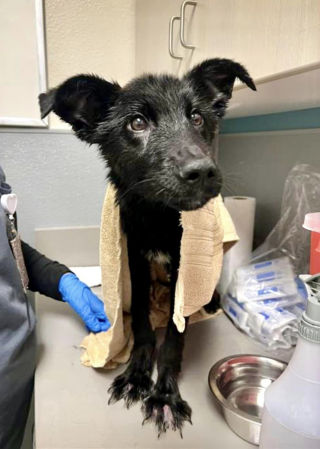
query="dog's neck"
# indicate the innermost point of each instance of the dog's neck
(154, 225)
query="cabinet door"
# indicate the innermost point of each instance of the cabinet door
(268, 36)
(23, 65)
(152, 33)
(152, 36)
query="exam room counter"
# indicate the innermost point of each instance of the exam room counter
(71, 401)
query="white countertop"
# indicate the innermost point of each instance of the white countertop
(71, 401)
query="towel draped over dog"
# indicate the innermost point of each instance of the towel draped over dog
(207, 233)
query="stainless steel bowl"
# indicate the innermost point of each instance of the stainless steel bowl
(239, 384)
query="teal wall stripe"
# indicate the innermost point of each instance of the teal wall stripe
(302, 119)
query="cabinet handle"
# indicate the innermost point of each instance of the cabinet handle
(182, 15)
(172, 20)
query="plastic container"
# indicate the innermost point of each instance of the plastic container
(312, 223)
(291, 413)
(276, 265)
(261, 291)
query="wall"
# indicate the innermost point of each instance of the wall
(258, 164)
(85, 36)
(59, 180)
(280, 121)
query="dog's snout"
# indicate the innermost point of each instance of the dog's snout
(198, 171)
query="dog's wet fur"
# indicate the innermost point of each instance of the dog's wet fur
(156, 135)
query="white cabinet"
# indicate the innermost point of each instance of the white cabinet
(267, 36)
(23, 65)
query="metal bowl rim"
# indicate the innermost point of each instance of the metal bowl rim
(219, 396)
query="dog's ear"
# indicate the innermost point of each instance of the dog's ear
(46, 101)
(216, 77)
(82, 101)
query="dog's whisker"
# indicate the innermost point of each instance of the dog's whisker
(233, 174)
(158, 193)
(236, 176)
(229, 176)
(230, 191)
(231, 183)
(134, 185)
(234, 183)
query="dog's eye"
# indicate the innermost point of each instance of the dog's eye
(220, 104)
(196, 118)
(138, 124)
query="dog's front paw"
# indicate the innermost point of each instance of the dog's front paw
(166, 411)
(131, 387)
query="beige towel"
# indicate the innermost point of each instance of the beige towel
(205, 232)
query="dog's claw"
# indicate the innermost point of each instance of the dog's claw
(166, 411)
(112, 399)
(131, 387)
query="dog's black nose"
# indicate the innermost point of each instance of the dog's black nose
(198, 171)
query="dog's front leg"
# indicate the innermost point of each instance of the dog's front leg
(135, 383)
(214, 305)
(164, 406)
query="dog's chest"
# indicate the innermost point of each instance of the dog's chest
(157, 233)
(158, 257)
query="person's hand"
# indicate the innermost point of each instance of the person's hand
(79, 296)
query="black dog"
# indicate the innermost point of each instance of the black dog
(156, 135)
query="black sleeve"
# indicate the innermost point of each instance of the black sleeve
(44, 274)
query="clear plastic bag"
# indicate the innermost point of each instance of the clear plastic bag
(301, 196)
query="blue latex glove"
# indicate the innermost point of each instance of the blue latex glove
(80, 297)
